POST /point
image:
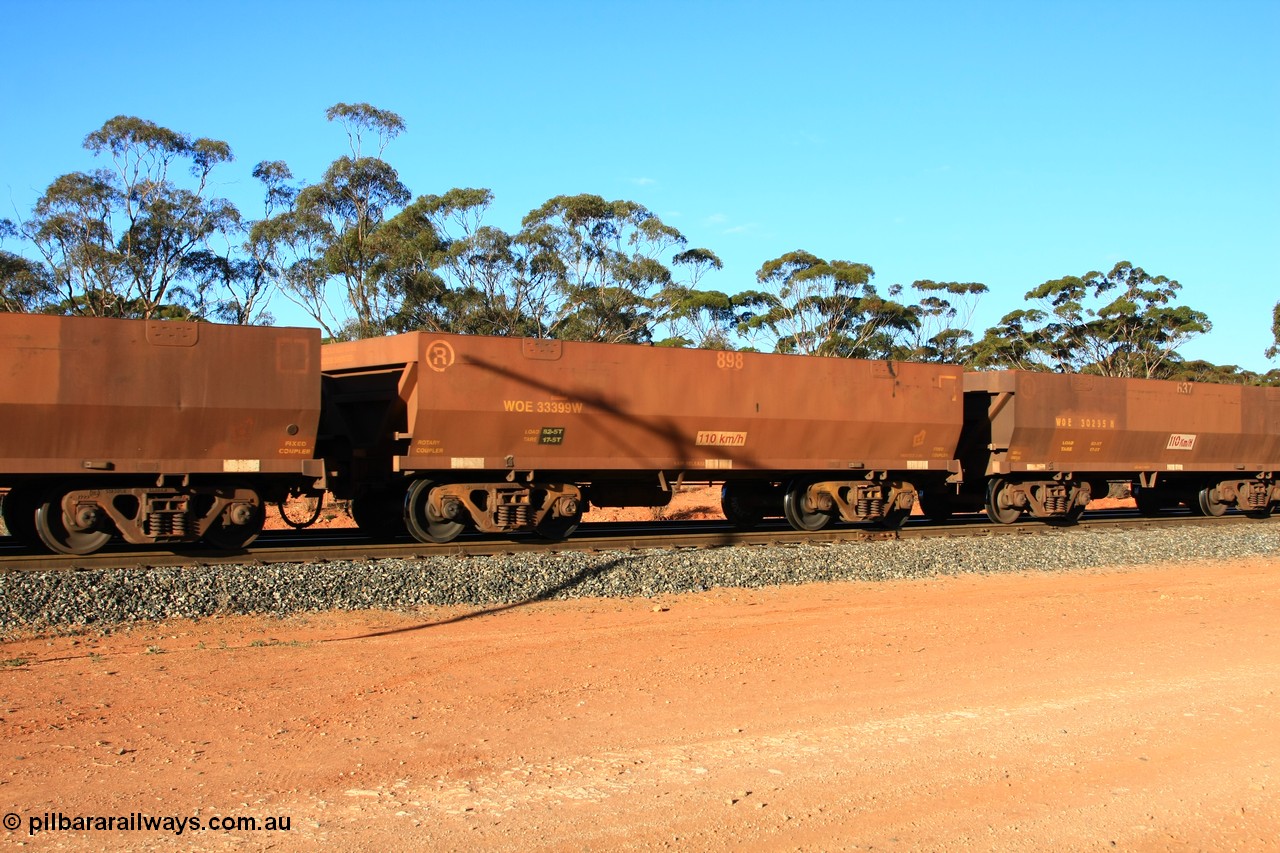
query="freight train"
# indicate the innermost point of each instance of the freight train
(172, 432)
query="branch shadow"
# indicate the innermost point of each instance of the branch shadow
(545, 595)
(665, 431)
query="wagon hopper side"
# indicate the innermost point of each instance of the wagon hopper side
(158, 431)
(1049, 442)
(510, 434)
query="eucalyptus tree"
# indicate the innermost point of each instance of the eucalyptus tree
(294, 242)
(495, 294)
(330, 234)
(408, 251)
(464, 276)
(24, 284)
(700, 318)
(1206, 371)
(945, 312)
(237, 280)
(811, 306)
(1122, 323)
(119, 241)
(1017, 342)
(604, 262)
(1274, 349)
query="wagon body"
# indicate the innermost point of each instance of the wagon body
(154, 431)
(83, 395)
(512, 404)
(1047, 443)
(1063, 422)
(457, 417)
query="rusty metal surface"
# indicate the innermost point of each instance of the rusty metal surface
(1060, 422)
(503, 404)
(88, 396)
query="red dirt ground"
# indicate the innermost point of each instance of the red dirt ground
(1129, 709)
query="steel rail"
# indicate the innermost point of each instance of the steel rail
(345, 544)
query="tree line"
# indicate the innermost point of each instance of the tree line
(145, 236)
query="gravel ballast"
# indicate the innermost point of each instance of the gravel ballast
(58, 599)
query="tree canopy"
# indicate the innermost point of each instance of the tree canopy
(812, 306)
(121, 241)
(1122, 323)
(143, 235)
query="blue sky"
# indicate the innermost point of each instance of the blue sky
(1005, 143)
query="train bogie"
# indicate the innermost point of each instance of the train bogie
(510, 434)
(153, 431)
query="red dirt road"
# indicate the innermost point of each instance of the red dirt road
(1124, 709)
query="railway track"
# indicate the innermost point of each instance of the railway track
(321, 546)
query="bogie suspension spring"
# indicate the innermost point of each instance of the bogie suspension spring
(1256, 497)
(870, 507)
(166, 517)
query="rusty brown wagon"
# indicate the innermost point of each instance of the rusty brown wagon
(1046, 443)
(505, 434)
(155, 431)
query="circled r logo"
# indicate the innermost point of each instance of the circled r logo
(440, 356)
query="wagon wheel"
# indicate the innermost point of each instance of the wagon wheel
(238, 525)
(797, 510)
(18, 510)
(423, 522)
(740, 512)
(894, 518)
(299, 511)
(558, 528)
(1209, 503)
(79, 536)
(997, 500)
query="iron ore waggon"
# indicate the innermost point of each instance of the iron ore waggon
(158, 431)
(172, 432)
(1046, 443)
(507, 434)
